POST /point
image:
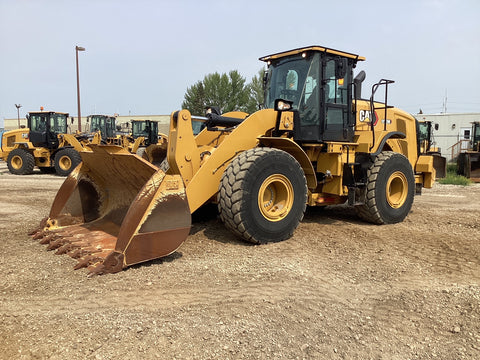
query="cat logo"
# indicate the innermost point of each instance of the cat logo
(364, 116)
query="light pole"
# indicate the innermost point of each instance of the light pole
(18, 106)
(77, 49)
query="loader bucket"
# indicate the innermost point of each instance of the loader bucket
(115, 210)
(440, 166)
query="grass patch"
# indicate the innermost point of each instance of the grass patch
(452, 178)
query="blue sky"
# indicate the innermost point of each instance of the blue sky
(142, 55)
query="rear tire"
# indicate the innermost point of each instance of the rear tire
(20, 162)
(66, 160)
(262, 195)
(390, 190)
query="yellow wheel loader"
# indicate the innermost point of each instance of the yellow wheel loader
(427, 146)
(147, 142)
(316, 143)
(144, 139)
(45, 143)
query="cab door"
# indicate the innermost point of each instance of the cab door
(39, 127)
(336, 100)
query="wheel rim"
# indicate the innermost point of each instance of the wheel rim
(16, 162)
(397, 189)
(65, 163)
(275, 197)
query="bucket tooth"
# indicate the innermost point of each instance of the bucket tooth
(66, 249)
(87, 261)
(48, 237)
(79, 253)
(40, 227)
(113, 263)
(55, 244)
(38, 235)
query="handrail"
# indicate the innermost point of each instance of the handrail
(459, 147)
(373, 108)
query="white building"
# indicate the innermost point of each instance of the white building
(452, 128)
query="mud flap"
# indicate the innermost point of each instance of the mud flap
(115, 210)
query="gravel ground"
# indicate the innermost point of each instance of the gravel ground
(338, 289)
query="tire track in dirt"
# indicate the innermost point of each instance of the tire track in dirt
(206, 297)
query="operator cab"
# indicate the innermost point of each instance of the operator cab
(45, 126)
(319, 84)
(147, 129)
(103, 123)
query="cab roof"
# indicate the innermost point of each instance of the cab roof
(47, 112)
(312, 48)
(109, 116)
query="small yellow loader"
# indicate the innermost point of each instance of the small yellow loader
(147, 142)
(427, 146)
(316, 143)
(143, 140)
(45, 144)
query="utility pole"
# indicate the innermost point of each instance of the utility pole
(77, 49)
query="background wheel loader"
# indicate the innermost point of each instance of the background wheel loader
(427, 146)
(45, 143)
(147, 142)
(143, 140)
(316, 143)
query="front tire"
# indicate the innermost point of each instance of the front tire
(66, 160)
(262, 195)
(390, 190)
(20, 162)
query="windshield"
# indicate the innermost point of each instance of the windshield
(139, 128)
(423, 131)
(56, 122)
(294, 78)
(97, 123)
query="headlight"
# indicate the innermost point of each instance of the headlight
(283, 105)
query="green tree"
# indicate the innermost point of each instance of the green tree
(195, 99)
(229, 92)
(255, 92)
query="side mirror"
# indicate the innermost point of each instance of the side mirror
(266, 75)
(436, 126)
(341, 66)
